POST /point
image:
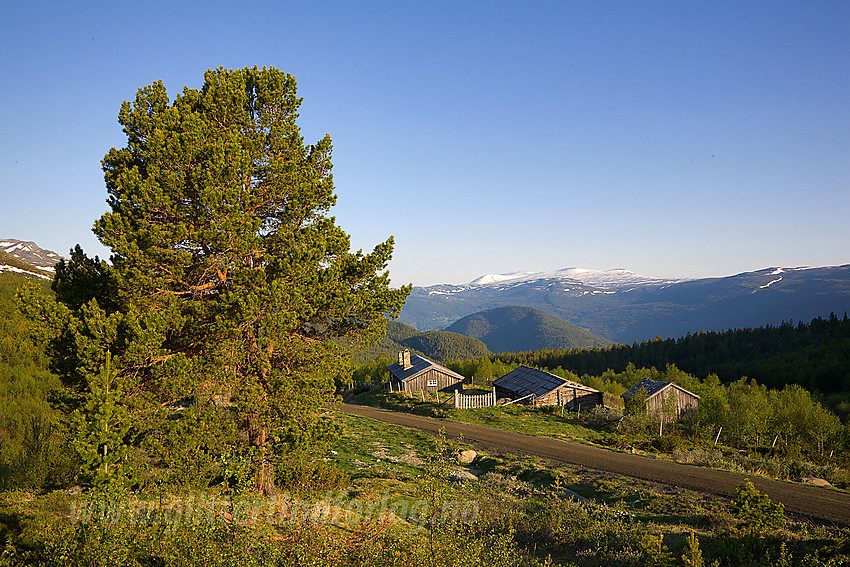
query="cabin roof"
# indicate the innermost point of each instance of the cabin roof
(418, 365)
(652, 388)
(524, 380)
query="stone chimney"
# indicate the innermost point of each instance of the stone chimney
(404, 359)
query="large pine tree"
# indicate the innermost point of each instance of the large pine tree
(229, 281)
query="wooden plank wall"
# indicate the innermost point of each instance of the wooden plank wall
(685, 403)
(564, 396)
(445, 382)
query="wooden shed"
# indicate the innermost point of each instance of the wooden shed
(541, 388)
(658, 392)
(415, 373)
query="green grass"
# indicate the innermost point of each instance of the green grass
(523, 420)
(371, 448)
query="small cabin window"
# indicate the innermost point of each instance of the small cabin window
(432, 383)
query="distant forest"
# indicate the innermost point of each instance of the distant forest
(815, 355)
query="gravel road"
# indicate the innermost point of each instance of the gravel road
(820, 504)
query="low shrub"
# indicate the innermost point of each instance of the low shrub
(636, 424)
(311, 475)
(602, 417)
(666, 443)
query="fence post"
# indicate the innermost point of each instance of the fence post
(494, 396)
(456, 399)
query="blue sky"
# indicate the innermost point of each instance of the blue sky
(676, 139)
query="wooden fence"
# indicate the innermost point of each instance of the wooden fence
(475, 401)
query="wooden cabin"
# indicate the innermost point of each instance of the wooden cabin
(541, 388)
(658, 392)
(415, 373)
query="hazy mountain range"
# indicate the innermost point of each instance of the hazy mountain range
(618, 305)
(622, 306)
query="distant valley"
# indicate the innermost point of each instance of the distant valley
(624, 307)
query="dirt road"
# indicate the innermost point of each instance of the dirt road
(820, 504)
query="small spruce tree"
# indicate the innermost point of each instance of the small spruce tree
(756, 510)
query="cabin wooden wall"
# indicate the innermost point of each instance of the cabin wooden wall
(564, 396)
(685, 403)
(573, 397)
(445, 382)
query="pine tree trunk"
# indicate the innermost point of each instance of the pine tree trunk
(264, 476)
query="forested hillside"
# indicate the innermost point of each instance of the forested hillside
(516, 328)
(438, 346)
(33, 451)
(815, 355)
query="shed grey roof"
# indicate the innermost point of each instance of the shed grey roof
(418, 365)
(652, 387)
(523, 381)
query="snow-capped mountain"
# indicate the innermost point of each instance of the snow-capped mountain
(623, 306)
(604, 279)
(30, 253)
(500, 278)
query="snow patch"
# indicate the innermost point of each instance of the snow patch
(448, 292)
(7, 268)
(770, 283)
(498, 278)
